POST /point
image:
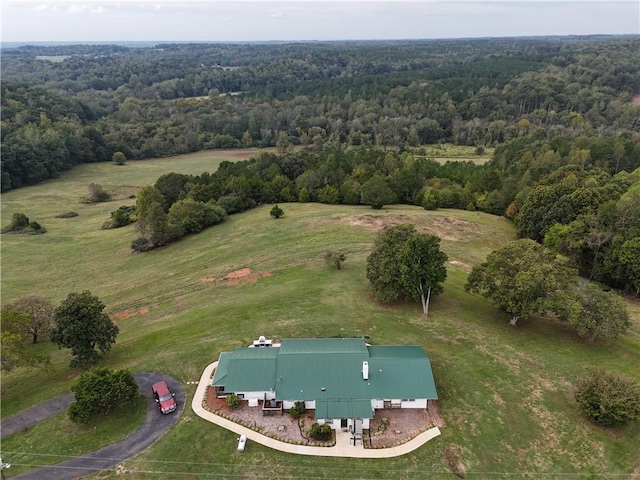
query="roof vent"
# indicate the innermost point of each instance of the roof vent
(365, 370)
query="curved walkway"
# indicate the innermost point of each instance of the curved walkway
(154, 426)
(342, 448)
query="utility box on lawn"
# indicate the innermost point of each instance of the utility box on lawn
(242, 442)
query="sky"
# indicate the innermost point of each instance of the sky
(298, 20)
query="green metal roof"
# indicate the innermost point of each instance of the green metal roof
(396, 351)
(303, 376)
(344, 409)
(222, 369)
(247, 370)
(329, 371)
(322, 346)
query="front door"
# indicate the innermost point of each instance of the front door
(343, 423)
(358, 428)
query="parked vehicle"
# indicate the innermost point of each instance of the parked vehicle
(164, 398)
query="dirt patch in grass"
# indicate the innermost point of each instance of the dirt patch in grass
(465, 266)
(447, 228)
(453, 456)
(237, 277)
(130, 313)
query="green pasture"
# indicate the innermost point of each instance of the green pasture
(505, 393)
(448, 152)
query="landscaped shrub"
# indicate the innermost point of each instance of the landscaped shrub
(384, 423)
(233, 401)
(321, 432)
(297, 410)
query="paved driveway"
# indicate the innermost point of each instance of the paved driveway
(154, 426)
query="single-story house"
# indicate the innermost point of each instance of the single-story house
(343, 379)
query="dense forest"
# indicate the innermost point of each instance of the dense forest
(66, 105)
(562, 114)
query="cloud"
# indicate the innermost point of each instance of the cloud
(77, 9)
(93, 9)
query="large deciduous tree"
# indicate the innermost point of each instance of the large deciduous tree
(594, 313)
(119, 158)
(172, 186)
(82, 326)
(422, 267)
(192, 216)
(519, 278)
(383, 270)
(14, 339)
(522, 278)
(100, 391)
(629, 260)
(39, 312)
(153, 223)
(377, 193)
(406, 263)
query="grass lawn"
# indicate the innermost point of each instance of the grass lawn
(58, 438)
(505, 393)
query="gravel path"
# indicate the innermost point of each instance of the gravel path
(154, 426)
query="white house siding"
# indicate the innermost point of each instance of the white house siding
(336, 423)
(332, 422)
(308, 404)
(377, 404)
(417, 403)
(365, 423)
(256, 395)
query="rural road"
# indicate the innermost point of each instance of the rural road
(154, 426)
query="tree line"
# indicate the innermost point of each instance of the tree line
(578, 204)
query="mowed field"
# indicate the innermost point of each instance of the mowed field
(505, 393)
